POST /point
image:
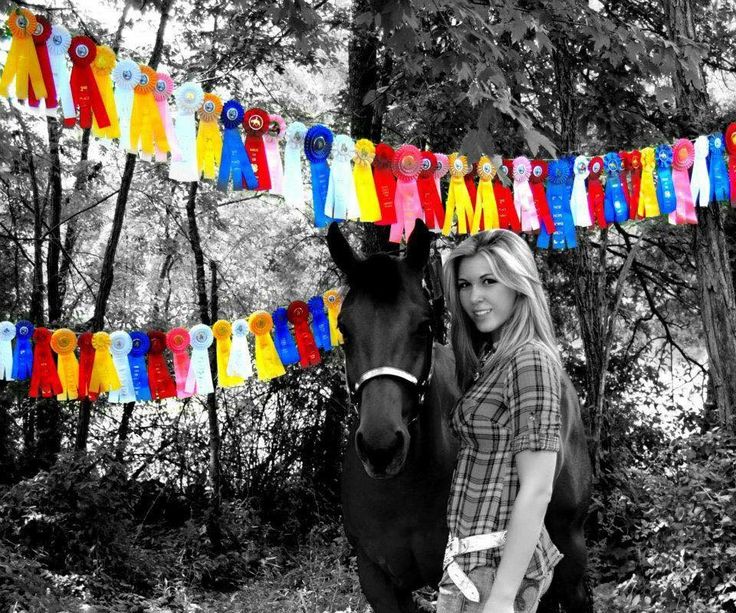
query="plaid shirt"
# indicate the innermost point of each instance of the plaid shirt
(513, 408)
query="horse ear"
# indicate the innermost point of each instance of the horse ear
(341, 251)
(417, 247)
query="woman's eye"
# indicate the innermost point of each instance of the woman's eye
(462, 285)
(489, 281)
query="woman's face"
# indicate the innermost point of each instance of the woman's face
(487, 302)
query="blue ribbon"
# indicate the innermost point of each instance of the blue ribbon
(317, 146)
(615, 207)
(23, 351)
(320, 323)
(137, 362)
(559, 192)
(720, 190)
(234, 162)
(665, 185)
(284, 341)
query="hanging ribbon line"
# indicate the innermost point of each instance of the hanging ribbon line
(137, 362)
(647, 197)
(58, 47)
(189, 97)
(209, 141)
(700, 180)
(616, 203)
(256, 123)
(365, 187)
(177, 340)
(406, 167)
(102, 67)
(239, 364)
(579, 199)
(596, 195)
(268, 364)
(44, 378)
(298, 316)
(333, 303)
(222, 330)
(159, 379)
(22, 64)
(104, 377)
(429, 197)
(23, 352)
(7, 334)
(120, 346)
(234, 161)
(64, 342)
(341, 201)
(540, 172)
(320, 324)
(665, 184)
(317, 147)
(507, 217)
(126, 75)
(458, 199)
(199, 377)
(87, 98)
(385, 181)
(683, 157)
(719, 185)
(293, 182)
(162, 91)
(559, 191)
(41, 35)
(523, 197)
(147, 132)
(276, 131)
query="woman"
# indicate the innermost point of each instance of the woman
(508, 422)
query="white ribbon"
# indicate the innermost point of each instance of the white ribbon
(199, 378)
(273, 157)
(526, 211)
(189, 97)
(579, 199)
(126, 75)
(240, 364)
(162, 92)
(342, 198)
(7, 334)
(700, 180)
(293, 181)
(120, 347)
(58, 45)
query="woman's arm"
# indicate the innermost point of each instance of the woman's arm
(536, 475)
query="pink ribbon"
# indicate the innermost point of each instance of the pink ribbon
(177, 339)
(683, 156)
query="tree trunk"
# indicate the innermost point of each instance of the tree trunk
(196, 244)
(54, 250)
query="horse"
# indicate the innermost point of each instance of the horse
(398, 467)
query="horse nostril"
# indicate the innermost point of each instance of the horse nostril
(360, 444)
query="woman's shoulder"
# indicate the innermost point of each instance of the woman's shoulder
(533, 350)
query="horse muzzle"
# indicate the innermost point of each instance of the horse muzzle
(382, 456)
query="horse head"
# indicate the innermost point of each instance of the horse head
(385, 321)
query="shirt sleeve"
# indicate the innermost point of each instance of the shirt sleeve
(532, 395)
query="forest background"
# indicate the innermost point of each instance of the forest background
(231, 502)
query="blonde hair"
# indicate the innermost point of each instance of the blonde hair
(511, 263)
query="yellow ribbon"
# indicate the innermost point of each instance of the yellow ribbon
(458, 198)
(22, 62)
(102, 67)
(365, 186)
(146, 125)
(485, 200)
(64, 342)
(104, 375)
(333, 302)
(268, 363)
(209, 140)
(222, 330)
(648, 205)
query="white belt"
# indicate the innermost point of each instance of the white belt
(457, 546)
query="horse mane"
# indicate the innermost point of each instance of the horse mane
(378, 275)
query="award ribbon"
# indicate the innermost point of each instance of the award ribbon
(102, 67)
(700, 180)
(276, 131)
(23, 351)
(731, 149)
(647, 194)
(615, 204)
(285, 344)
(120, 347)
(579, 199)
(540, 171)
(64, 342)
(268, 364)
(104, 377)
(298, 315)
(58, 46)
(470, 181)
(7, 334)
(624, 169)
(333, 302)
(665, 183)
(159, 380)
(342, 198)
(137, 363)
(365, 186)
(320, 324)
(383, 177)
(434, 212)
(293, 182)
(222, 331)
(443, 167)
(596, 195)
(559, 192)
(523, 197)
(683, 156)
(189, 97)
(22, 61)
(458, 199)
(41, 35)
(719, 188)
(146, 125)
(199, 377)
(256, 123)
(408, 206)
(86, 361)
(239, 364)
(234, 161)
(317, 146)
(635, 175)
(209, 141)
(86, 96)
(507, 217)
(126, 75)
(177, 340)
(162, 91)
(44, 378)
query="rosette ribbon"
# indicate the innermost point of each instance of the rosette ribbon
(104, 375)
(209, 141)
(624, 170)
(434, 212)
(162, 91)
(666, 197)
(700, 180)
(615, 204)
(408, 206)
(523, 197)
(137, 362)
(126, 75)
(189, 97)
(58, 46)
(276, 130)
(298, 316)
(64, 342)
(147, 132)
(7, 334)
(102, 68)
(385, 181)
(470, 181)
(159, 379)
(199, 377)
(579, 198)
(222, 330)
(342, 199)
(22, 64)
(333, 303)
(239, 364)
(683, 156)
(719, 188)
(285, 344)
(559, 191)
(540, 171)
(177, 340)
(596, 195)
(635, 174)
(234, 161)
(731, 149)
(507, 217)
(443, 167)
(41, 35)
(120, 346)
(256, 123)
(365, 186)
(485, 216)
(87, 97)
(44, 378)
(458, 199)
(23, 351)
(293, 182)
(317, 146)
(86, 361)
(268, 364)
(320, 323)
(647, 192)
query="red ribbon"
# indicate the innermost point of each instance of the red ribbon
(470, 184)
(596, 195)
(44, 377)
(385, 181)
(86, 361)
(507, 217)
(298, 315)
(635, 166)
(256, 123)
(159, 379)
(434, 213)
(731, 148)
(540, 170)
(85, 93)
(40, 36)
(623, 175)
